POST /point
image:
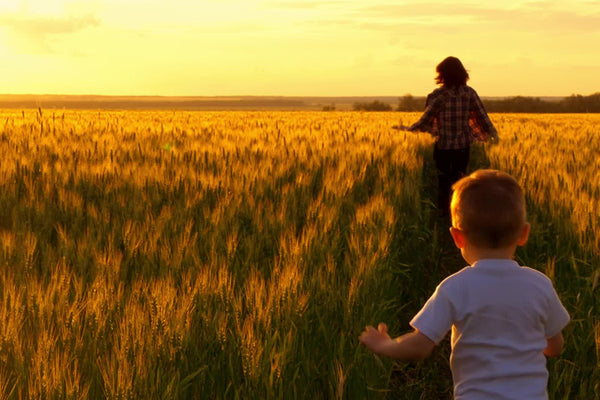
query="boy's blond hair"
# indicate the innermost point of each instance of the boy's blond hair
(488, 206)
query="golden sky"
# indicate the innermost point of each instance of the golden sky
(296, 47)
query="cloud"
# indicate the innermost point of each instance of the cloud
(42, 26)
(35, 33)
(309, 5)
(441, 17)
(530, 16)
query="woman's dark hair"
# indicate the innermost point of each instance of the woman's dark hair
(451, 73)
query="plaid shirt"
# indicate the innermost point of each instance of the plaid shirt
(456, 117)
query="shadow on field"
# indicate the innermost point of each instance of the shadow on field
(434, 257)
(445, 258)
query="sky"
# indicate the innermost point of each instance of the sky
(296, 47)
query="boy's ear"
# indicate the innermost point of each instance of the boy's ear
(524, 236)
(458, 237)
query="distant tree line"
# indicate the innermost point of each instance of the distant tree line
(520, 104)
(573, 104)
(372, 106)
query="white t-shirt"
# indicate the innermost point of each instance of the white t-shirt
(501, 315)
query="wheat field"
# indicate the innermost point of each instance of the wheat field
(218, 255)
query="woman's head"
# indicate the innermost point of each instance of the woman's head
(451, 73)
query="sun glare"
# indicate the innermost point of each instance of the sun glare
(32, 7)
(9, 5)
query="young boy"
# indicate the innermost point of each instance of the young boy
(505, 318)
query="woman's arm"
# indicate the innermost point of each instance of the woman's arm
(427, 121)
(481, 116)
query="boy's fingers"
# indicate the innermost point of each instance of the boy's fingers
(363, 336)
(382, 328)
(368, 330)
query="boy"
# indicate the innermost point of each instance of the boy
(504, 317)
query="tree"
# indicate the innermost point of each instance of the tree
(409, 103)
(373, 106)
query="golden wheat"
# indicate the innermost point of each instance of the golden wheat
(234, 254)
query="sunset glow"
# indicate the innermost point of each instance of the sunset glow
(293, 47)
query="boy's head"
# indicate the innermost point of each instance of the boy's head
(488, 207)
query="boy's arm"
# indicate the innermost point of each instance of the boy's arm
(555, 345)
(412, 346)
(557, 319)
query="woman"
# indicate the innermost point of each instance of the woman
(455, 115)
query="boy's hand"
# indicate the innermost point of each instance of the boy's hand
(411, 346)
(373, 339)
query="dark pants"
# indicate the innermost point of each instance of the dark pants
(451, 165)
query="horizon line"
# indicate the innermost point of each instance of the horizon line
(229, 96)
